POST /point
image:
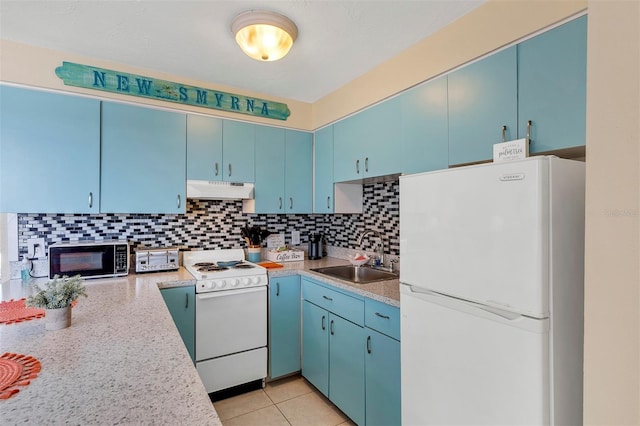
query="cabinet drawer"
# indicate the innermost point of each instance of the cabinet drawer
(347, 307)
(382, 317)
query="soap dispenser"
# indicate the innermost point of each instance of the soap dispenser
(25, 269)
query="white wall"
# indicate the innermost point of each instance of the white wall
(612, 273)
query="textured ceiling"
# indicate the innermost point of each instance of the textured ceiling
(337, 42)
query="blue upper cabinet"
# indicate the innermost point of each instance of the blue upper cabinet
(49, 152)
(482, 100)
(365, 144)
(143, 163)
(283, 172)
(552, 71)
(270, 173)
(323, 171)
(204, 148)
(347, 154)
(238, 151)
(298, 186)
(424, 127)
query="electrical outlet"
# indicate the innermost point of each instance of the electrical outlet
(35, 248)
(295, 238)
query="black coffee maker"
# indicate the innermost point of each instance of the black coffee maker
(316, 246)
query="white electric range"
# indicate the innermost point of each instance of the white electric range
(231, 317)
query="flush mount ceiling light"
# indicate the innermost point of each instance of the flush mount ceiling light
(264, 35)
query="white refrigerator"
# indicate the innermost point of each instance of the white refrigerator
(491, 294)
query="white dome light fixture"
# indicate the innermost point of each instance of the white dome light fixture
(264, 35)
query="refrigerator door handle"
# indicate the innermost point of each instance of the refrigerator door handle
(511, 316)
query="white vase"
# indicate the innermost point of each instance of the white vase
(56, 319)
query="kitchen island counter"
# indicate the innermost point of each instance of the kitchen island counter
(384, 291)
(122, 360)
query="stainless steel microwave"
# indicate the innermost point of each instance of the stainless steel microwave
(89, 259)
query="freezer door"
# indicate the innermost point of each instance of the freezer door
(479, 233)
(462, 365)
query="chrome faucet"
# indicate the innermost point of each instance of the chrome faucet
(377, 234)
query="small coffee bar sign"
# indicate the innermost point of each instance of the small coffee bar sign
(89, 77)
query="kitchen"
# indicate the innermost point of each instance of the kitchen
(599, 375)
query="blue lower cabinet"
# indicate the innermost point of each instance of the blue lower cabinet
(382, 378)
(182, 306)
(315, 346)
(333, 347)
(284, 326)
(346, 368)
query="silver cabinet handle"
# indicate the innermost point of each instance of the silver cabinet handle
(277, 289)
(366, 164)
(358, 166)
(529, 131)
(179, 201)
(504, 133)
(290, 203)
(90, 199)
(229, 169)
(323, 326)
(187, 302)
(217, 169)
(368, 344)
(328, 202)
(280, 203)
(331, 327)
(378, 314)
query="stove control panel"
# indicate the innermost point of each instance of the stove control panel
(207, 285)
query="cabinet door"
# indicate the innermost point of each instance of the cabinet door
(552, 85)
(382, 367)
(284, 326)
(482, 99)
(143, 163)
(238, 151)
(181, 304)
(270, 170)
(204, 148)
(424, 127)
(323, 171)
(49, 152)
(348, 135)
(315, 346)
(379, 147)
(346, 367)
(298, 184)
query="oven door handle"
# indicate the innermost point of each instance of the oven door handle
(224, 293)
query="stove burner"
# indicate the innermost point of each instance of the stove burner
(243, 266)
(211, 268)
(204, 264)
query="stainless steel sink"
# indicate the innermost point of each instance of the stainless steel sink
(356, 274)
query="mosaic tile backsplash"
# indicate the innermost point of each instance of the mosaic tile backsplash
(215, 224)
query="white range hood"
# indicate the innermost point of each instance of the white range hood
(212, 190)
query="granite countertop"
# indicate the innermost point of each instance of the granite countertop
(122, 360)
(384, 291)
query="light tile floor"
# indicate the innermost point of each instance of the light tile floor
(290, 401)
